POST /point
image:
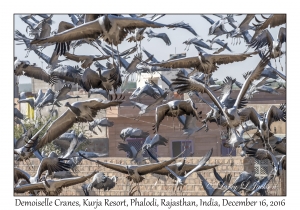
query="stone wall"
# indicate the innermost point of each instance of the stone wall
(232, 165)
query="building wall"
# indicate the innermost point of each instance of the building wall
(172, 130)
(232, 165)
(16, 87)
(125, 116)
(39, 84)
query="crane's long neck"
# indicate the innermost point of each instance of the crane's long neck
(230, 116)
(37, 133)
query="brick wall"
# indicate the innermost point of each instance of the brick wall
(233, 165)
(202, 141)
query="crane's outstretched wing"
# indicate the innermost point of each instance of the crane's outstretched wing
(230, 58)
(35, 72)
(116, 167)
(207, 187)
(160, 114)
(88, 30)
(29, 187)
(179, 63)
(61, 125)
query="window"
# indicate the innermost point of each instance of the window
(180, 146)
(137, 143)
(227, 151)
(261, 168)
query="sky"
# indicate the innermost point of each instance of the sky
(157, 46)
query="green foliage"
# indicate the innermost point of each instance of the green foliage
(36, 125)
(129, 85)
(81, 129)
(219, 82)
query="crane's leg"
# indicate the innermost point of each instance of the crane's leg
(42, 48)
(212, 41)
(206, 79)
(140, 45)
(30, 164)
(27, 54)
(275, 63)
(165, 185)
(280, 63)
(269, 143)
(155, 184)
(139, 189)
(174, 189)
(46, 175)
(181, 190)
(40, 113)
(173, 124)
(247, 49)
(130, 190)
(16, 162)
(119, 57)
(99, 128)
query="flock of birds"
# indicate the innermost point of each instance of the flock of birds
(194, 77)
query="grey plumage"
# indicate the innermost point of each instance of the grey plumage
(81, 111)
(155, 141)
(132, 153)
(217, 27)
(68, 73)
(174, 108)
(18, 114)
(153, 59)
(204, 62)
(104, 122)
(180, 180)
(198, 42)
(147, 89)
(30, 70)
(33, 102)
(162, 36)
(135, 172)
(100, 181)
(98, 91)
(233, 115)
(47, 164)
(265, 39)
(111, 28)
(190, 127)
(52, 187)
(272, 21)
(86, 60)
(132, 133)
